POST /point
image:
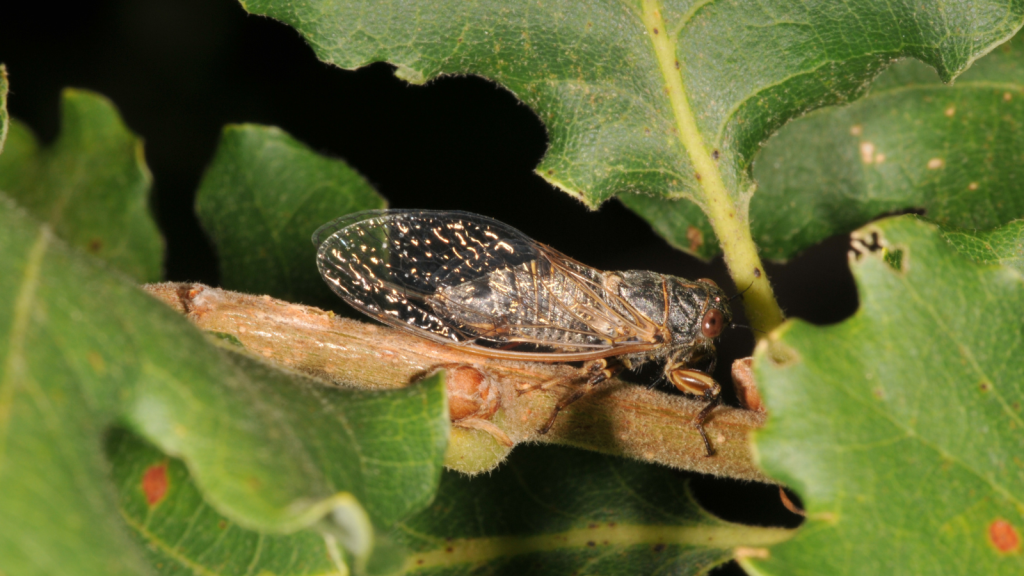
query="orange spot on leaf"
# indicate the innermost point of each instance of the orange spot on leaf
(1004, 536)
(154, 483)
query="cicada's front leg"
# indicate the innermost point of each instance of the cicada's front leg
(699, 384)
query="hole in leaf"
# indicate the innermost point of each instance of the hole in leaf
(893, 258)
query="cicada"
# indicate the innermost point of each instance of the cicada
(472, 282)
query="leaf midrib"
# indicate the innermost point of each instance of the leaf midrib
(14, 363)
(477, 551)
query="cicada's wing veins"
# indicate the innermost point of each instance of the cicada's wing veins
(465, 279)
(391, 263)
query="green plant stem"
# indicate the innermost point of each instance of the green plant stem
(730, 221)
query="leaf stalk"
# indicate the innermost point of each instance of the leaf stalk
(729, 219)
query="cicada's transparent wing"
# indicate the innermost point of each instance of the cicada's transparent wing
(391, 263)
(465, 279)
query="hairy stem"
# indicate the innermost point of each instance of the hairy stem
(728, 218)
(620, 418)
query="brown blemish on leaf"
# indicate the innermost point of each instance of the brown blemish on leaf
(950, 111)
(867, 152)
(1007, 96)
(154, 483)
(1004, 536)
(985, 386)
(222, 524)
(695, 237)
(936, 163)
(658, 547)
(972, 186)
(95, 245)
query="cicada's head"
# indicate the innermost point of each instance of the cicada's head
(700, 311)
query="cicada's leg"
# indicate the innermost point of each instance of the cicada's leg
(699, 384)
(586, 372)
(595, 372)
(695, 356)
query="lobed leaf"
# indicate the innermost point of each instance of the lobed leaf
(653, 101)
(91, 185)
(82, 350)
(261, 199)
(901, 427)
(954, 152)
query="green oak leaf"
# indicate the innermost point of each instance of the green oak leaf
(902, 428)
(82, 350)
(612, 516)
(260, 201)
(91, 186)
(1003, 245)
(666, 100)
(956, 152)
(552, 510)
(4, 117)
(181, 534)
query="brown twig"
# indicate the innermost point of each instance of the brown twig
(622, 419)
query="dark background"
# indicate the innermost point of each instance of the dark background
(179, 71)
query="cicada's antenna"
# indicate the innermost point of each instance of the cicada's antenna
(735, 296)
(735, 325)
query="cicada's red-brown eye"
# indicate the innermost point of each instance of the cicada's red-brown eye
(713, 323)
